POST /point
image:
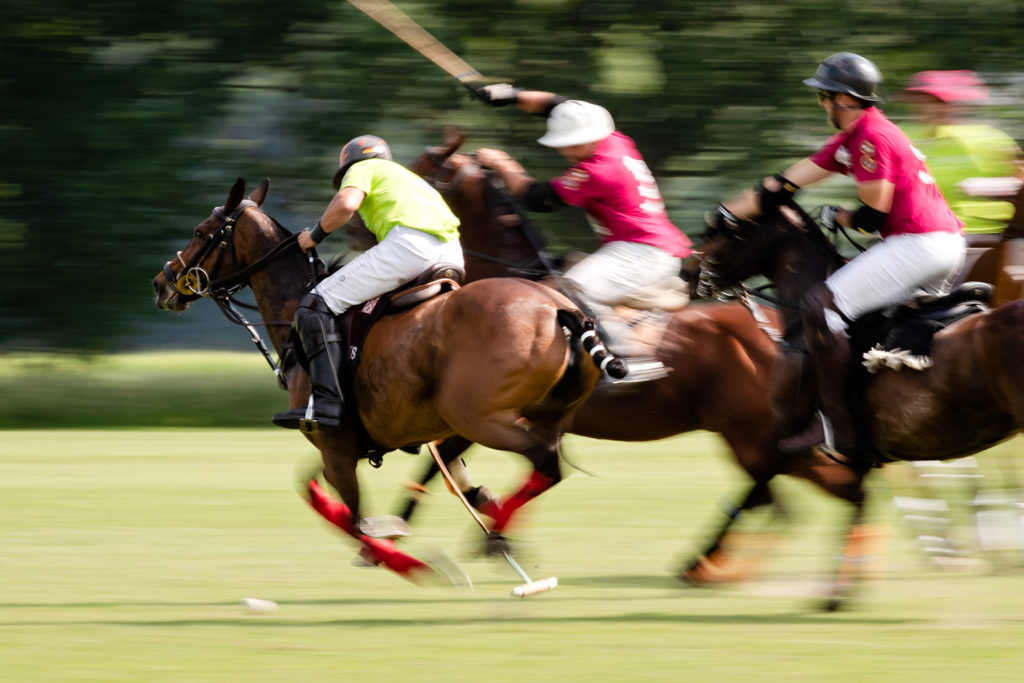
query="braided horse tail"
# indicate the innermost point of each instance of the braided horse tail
(582, 329)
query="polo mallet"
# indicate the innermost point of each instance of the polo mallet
(528, 588)
(414, 35)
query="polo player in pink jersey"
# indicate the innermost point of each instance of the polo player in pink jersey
(641, 250)
(922, 248)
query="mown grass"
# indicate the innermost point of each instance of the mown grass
(124, 555)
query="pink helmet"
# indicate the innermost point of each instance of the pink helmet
(949, 86)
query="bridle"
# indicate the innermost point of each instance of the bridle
(194, 280)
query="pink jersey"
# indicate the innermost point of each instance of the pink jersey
(620, 196)
(875, 149)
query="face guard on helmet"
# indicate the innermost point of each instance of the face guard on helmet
(848, 73)
(358, 149)
(575, 122)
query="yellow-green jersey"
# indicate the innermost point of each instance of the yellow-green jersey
(397, 196)
(956, 152)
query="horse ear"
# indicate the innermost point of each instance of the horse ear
(259, 195)
(453, 138)
(235, 196)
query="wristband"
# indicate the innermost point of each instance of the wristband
(318, 234)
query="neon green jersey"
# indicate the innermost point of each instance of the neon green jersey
(956, 152)
(397, 196)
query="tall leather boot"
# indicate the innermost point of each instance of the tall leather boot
(830, 358)
(794, 390)
(318, 332)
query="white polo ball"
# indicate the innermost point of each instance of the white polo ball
(260, 606)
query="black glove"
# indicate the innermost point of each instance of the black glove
(498, 95)
(720, 218)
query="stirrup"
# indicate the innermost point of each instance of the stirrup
(640, 369)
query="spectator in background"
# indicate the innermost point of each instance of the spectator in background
(976, 166)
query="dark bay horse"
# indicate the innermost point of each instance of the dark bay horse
(971, 397)
(720, 361)
(497, 361)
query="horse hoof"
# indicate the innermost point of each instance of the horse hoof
(384, 526)
(497, 545)
(834, 604)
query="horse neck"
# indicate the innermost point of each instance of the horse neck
(278, 287)
(493, 240)
(796, 269)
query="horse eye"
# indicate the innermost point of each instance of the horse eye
(199, 234)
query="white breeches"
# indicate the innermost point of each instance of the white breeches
(619, 271)
(404, 254)
(895, 270)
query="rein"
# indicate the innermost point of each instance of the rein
(195, 280)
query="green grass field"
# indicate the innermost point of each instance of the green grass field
(124, 556)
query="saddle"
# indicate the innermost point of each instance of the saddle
(354, 325)
(902, 335)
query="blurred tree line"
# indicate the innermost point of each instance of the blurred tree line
(125, 122)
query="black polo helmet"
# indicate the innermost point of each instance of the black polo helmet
(357, 149)
(848, 73)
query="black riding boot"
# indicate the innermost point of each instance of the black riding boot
(830, 357)
(317, 329)
(794, 390)
(832, 367)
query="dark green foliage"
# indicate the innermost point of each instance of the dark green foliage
(124, 122)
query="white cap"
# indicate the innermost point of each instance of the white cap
(575, 122)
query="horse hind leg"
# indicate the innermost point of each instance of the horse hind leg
(450, 450)
(537, 444)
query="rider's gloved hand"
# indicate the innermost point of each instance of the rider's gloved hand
(720, 218)
(830, 216)
(498, 95)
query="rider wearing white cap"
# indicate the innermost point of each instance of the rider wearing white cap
(640, 247)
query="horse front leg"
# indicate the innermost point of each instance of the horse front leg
(712, 565)
(340, 472)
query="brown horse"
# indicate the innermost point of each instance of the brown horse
(972, 396)
(497, 361)
(720, 361)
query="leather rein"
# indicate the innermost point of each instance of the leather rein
(194, 280)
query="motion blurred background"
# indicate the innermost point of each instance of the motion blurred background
(125, 122)
(129, 550)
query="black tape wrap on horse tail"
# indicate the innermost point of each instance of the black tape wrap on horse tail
(583, 328)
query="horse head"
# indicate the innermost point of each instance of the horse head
(785, 246)
(221, 246)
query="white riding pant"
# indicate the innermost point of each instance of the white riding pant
(893, 271)
(619, 271)
(401, 256)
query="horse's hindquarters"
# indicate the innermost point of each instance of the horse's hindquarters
(471, 362)
(971, 398)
